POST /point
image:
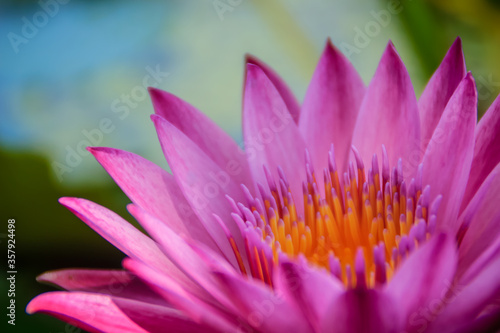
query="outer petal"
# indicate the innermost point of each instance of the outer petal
(203, 183)
(264, 310)
(424, 277)
(468, 301)
(125, 237)
(154, 189)
(389, 115)
(198, 311)
(486, 149)
(271, 136)
(362, 311)
(179, 252)
(481, 220)
(117, 283)
(211, 139)
(468, 274)
(311, 289)
(448, 157)
(331, 107)
(102, 313)
(439, 90)
(288, 97)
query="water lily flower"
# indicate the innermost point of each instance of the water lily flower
(361, 210)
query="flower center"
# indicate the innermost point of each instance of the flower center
(360, 226)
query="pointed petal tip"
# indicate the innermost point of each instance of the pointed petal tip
(390, 51)
(137, 212)
(157, 119)
(470, 84)
(68, 201)
(329, 46)
(469, 76)
(253, 67)
(357, 157)
(153, 90)
(156, 93)
(286, 94)
(132, 209)
(253, 71)
(32, 307)
(456, 55)
(38, 303)
(49, 277)
(333, 52)
(45, 277)
(251, 59)
(457, 43)
(96, 151)
(164, 102)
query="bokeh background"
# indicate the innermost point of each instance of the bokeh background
(67, 65)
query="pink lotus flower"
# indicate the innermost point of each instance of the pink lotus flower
(396, 230)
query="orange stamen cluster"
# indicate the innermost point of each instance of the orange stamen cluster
(359, 226)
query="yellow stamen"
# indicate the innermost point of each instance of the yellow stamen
(353, 215)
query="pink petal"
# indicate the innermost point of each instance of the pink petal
(202, 131)
(447, 160)
(125, 237)
(467, 301)
(486, 149)
(179, 252)
(196, 309)
(263, 309)
(424, 277)
(468, 273)
(203, 183)
(389, 115)
(288, 97)
(439, 90)
(154, 189)
(480, 220)
(362, 311)
(331, 107)
(271, 136)
(102, 313)
(211, 259)
(117, 283)
(311, 289)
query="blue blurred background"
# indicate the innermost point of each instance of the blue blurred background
(68, 67)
